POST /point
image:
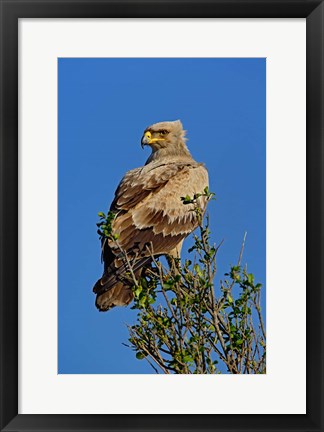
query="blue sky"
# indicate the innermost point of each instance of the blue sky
(104, 107)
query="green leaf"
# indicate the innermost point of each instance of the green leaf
(142, 301)
(138, 291)
(186, 199)
(250, 278)
(229, 299)
(140, 356)
(197, 270)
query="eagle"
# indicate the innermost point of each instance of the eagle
(150, 218)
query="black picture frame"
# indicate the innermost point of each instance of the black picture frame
(11, 11)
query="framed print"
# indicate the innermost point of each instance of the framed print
(83, 86)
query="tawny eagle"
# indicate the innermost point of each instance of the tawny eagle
(150, 217)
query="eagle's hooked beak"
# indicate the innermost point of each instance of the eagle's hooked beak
(146, 139)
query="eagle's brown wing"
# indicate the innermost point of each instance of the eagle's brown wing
(150, 209)
(150, 216)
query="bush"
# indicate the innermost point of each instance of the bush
(185, 325)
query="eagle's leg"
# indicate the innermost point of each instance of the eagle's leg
(174, 258)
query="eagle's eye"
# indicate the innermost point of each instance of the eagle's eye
(163, 132)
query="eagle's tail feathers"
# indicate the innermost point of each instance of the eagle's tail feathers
(114, 289)
(119, 295)
(113, 276)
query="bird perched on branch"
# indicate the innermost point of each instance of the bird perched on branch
(150, 219)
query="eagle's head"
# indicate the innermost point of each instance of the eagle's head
(166, 137)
